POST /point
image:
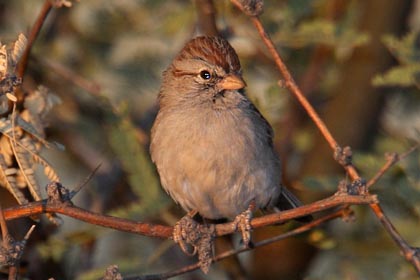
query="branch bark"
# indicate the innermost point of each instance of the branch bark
(162, 231)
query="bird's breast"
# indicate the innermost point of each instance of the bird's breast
(213, 161)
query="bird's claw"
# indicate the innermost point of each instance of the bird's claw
(182, 233)
(243, 223)
(188, 233)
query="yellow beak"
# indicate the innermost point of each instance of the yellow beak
(231, 82)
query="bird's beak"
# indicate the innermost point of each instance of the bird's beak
(231, 82)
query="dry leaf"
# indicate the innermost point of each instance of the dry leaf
(3, 61)
(11, 97)
(19, 48)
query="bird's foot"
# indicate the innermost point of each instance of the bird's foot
(243, 223)
(189, 233)
(183, 233)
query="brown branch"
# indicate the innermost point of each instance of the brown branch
(39, 207)
(59, 201)
(94, 89)
(304, 228)
(161, 231)
(409, 253)
(206, 17)
(6, 244)
(391, 159)
(4, 229)
(348, 166)
(46, 8)
(287, 215)
(11, 250)
(75, 78)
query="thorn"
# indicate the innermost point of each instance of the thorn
(28, 234)
(84, 182)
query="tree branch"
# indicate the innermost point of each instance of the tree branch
(46, 8)
(161, 231)
(391, 159)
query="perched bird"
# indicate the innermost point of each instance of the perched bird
(212, 148)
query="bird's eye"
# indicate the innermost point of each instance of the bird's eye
(205, 75)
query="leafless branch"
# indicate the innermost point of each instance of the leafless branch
(46, 8)
(391, 159)
(60, 204)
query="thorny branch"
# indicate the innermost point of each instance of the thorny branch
(58, 202)
(11, 250)
(408, 252)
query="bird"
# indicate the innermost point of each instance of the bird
(212, 148)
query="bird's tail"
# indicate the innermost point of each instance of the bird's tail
(288, 201)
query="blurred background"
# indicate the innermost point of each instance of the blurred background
(358, 62)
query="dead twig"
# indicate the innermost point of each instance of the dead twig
(391, 159)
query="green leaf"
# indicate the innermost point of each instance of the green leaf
(406, 49)
(406, 75)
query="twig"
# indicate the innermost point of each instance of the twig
(46, 7)
(81, 214)
(7, 243)
(410, 253)
(4, 229)
(391, 159)
(85, 181)
(317, 206)
(348, 166)
(206, 17)
(11, 251)
(161, 231)
(90, 86)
